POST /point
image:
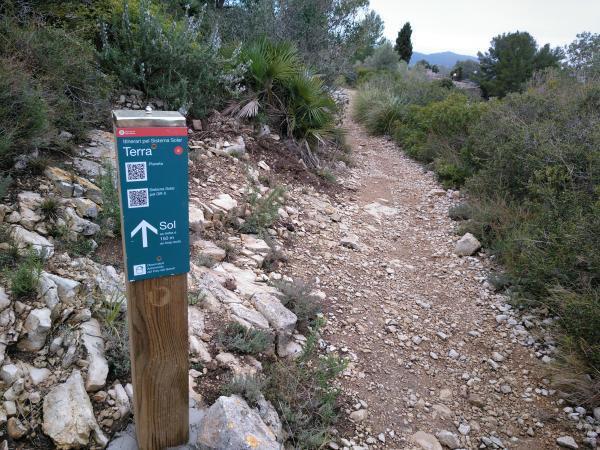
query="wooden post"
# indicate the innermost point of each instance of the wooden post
(152, 163)
(158, 339)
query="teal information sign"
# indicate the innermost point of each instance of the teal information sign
(153, 178)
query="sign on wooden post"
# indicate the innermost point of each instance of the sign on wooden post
(152, 165)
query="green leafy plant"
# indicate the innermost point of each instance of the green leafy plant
(166, 56)
(79, 247)
(240, 339)
(288, 93)
(59, 83)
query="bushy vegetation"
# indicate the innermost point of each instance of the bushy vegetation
(24, 279)
(437, 133)
(264, 210)
(329, 34)
(384, 57)
(165, 56)
(51, 82)
(300, 298)
(249, 387)
(110, 215)
(511, 60)
(387, 98)
(286, 93)
(240, 339)
(304, 394)
(116, 334)
(530, 165)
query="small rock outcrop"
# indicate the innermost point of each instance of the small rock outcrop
(281, 319)
(426, 441)
(37, 325)
(467, 245)
(230, 424)
(91, 335)
(68, 415)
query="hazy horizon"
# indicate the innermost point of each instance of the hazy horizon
(467, 26)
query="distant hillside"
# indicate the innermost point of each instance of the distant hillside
(447, 59)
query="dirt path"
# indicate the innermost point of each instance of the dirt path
(431, 346)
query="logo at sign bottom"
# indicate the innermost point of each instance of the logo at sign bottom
(139, 269)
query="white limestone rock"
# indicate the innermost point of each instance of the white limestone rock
(224, 203)
(91, 335)
(230, 424)
(426, 441)
(67, 288)
(281, 319)
(467, 245)
(36, 328)
(68, 415)
(26, 239)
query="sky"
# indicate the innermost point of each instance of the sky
(467, 26)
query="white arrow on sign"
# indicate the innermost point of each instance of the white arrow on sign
(144, 226)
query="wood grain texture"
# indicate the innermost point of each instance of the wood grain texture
(158, 345)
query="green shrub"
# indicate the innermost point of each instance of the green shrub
(5, 184)
(11, 255)
(264, 211)
(23, 111)
(83, 18)
(377, 108)
(79, 247)
(303, 393)
(384, 57)
(298, 296)
(49, 207)
(166, 57)
(384, 100)
(249, 387)
(110, 215)
(439, 133)
(537, 202)
(63, 70)
(240, 339)
(462, 211)
(580, 316)
(24, 279)
(291, 96)
(116, 335)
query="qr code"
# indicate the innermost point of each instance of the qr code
(137, 198)
(136, 171)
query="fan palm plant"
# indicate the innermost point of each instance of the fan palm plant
(293, 98)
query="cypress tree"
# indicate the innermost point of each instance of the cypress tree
(403, 43)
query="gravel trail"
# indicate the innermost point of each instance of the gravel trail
(432, 347)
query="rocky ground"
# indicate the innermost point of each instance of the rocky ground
(436, 357)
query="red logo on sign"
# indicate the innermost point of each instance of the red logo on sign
(178, 150)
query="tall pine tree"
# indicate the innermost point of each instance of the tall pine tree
(403, 43)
